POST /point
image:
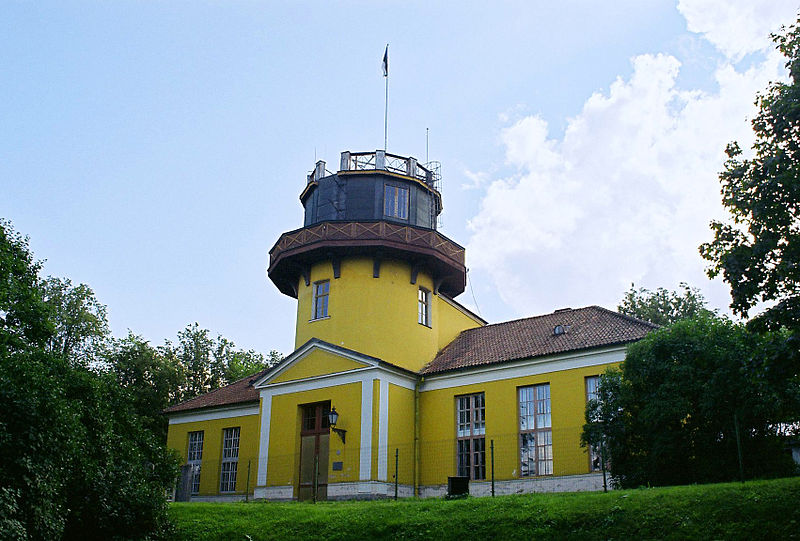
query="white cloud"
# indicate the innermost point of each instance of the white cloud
(624, 196)
(737, 28)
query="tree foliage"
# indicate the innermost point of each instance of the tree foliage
(81, 325)
(75, 462)
(670, 415)
(662, 306)
(758, 254)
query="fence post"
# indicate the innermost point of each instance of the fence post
(315, 483)
(396, 463)
(738, 446)
(491, 450)
(603, 462)
(247, 490)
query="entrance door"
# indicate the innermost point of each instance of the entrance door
(314, 436)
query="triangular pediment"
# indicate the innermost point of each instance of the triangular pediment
(316, 359)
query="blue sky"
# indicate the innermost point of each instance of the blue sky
(156, 150)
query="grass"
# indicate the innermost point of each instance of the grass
(753, 510)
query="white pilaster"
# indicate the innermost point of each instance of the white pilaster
(365, 465)
(383, 430)
(263, 446)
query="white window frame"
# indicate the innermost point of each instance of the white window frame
(321, 299)
(424, 307)
(592, 388)
(396, 201)
(470, 436)
(194, 457)
(536, 430)
(230, 459)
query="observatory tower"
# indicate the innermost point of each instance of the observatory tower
(368, 261)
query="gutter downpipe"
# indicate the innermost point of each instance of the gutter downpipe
(416, 436)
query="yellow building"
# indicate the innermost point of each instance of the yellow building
(393, 385)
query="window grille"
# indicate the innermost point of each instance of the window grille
(536, 433)
(424, 307)
(395, 202)
(230, 459)
(321, 294)
(195, 458)
(592, 389)
(470, 432)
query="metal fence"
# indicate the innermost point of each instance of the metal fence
(548, 460)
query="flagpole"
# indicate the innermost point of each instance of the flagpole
(386, 116)
(386, 101)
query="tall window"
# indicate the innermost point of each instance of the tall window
(592, 387)
(321, 293)
(230, 459)
(195, 458)
(424, 307)
(395, 202)
(535, 431)
(470, 430)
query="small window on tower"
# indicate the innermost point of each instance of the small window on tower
(395, 202)
(424, 307)
(320, 305)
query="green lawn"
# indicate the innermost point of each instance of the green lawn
(754, 510)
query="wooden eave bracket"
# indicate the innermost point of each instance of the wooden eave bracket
(418, 266)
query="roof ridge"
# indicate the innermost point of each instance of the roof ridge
(540, 316)
(214, 391)
(629, 317)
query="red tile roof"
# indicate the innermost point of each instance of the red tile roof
(238, 392)
(584, 328)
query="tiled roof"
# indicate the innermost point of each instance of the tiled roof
(238, 392)
(584, 328)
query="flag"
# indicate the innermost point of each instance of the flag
(386, 62)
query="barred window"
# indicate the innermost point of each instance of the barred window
(470, 431)
(536, 433)
(320, 305)
(424, 307)
(395, 202)
(592, 388)
(195, 458)
(230, 459)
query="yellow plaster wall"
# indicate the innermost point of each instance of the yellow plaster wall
(401, 433)
(567, 402)
(317, 363)
(375, 316)
(451, 322)
(178, 439)
(284, 434)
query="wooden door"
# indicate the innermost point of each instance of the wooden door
(314, 440)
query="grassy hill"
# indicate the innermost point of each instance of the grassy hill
(753, 510)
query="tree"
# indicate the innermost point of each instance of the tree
(153, 380)
(662, 306)
(758, 254)
(81, 325)
(243, 363)
(75, 462)
(210, 363)
(671, 415)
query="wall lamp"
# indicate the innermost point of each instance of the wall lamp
(333, 418)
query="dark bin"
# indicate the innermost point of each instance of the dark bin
(457, 487)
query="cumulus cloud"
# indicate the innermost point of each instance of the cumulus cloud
(627, 193)
(737, 28)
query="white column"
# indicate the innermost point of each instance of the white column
(365, 456)
(383, 431)
(263, 446)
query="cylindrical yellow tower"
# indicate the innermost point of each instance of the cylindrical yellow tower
(368, 262)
